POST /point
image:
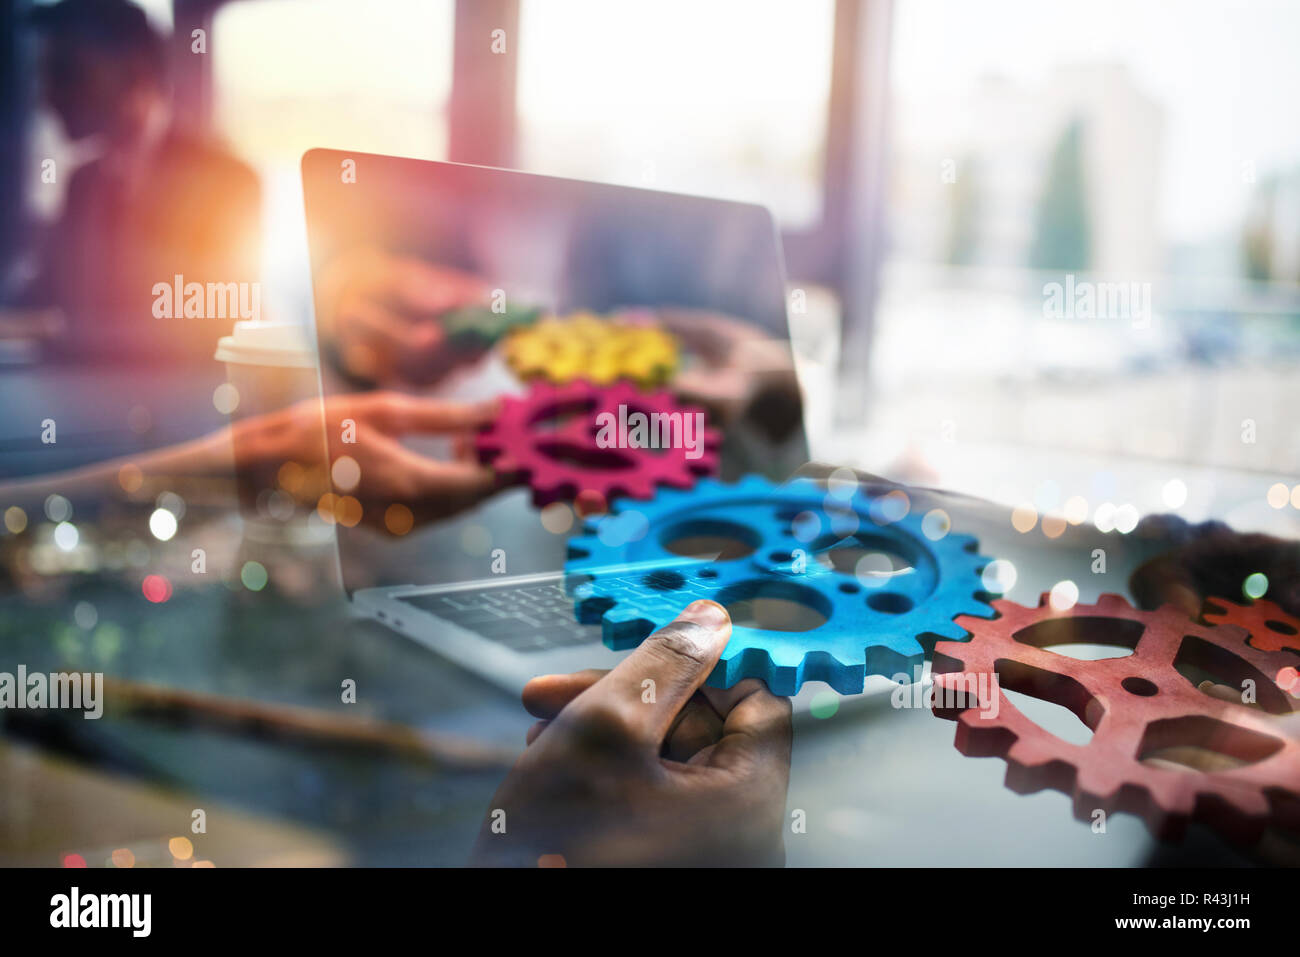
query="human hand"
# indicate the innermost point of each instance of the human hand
(1211, 560)
(740, 372)
(387, 472)
(380, 313)
(642, 765)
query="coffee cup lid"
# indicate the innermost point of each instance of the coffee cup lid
(268, 344)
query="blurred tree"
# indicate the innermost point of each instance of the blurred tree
(1257, 235)
(1063, 237)
(963, 221)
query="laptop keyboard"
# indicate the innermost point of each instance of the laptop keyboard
(526, 618)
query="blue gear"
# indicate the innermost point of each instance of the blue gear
(621, 574)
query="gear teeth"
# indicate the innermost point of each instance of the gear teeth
(1115, 771)
(950, 630)
(1265, 625)
(854, 640)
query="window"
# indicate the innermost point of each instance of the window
(1118, 146)
(725, 98)
(293, 74)
(289, 75)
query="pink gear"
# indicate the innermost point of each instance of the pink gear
(547, 438)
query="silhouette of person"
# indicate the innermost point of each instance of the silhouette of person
(155, 203)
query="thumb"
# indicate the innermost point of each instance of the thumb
(647, 689)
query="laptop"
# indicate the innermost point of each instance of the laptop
(484, 587)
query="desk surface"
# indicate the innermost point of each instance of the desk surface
(879, 785)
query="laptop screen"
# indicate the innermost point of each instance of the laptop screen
(501, 261)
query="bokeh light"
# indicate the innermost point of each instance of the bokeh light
(162, 525)
(936, 524)
(1024, 517)
(85, 615)
(225, 398)
(1053, 526)
(1076, 509)
(873, 569)
(1126, 518)
(1278, 495)
(842, 483)
(590, 502)
(15, 519)
(824, 704)
(806, 526)
(1063, 596)
(557, 518)
(398, 519)
(279, 504)
(291, 477)
(181, 848)
(1174, 493)
(347, 511)
(122, 857)
(1104, 517)
(891, 507)
(346, 473)
(173, 503)
(66, 536)
(325, 507)
(999, 576)
(156, 588)
(73, 860)
(58, 508)
(253, 575)
(130, 478)
(1255, 585)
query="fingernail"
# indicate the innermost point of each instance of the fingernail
(707, 613)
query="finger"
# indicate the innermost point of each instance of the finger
(450, 481)
(724, 700)
(1166, 581)
(535, 731)
(1222, 692)
(697, 727)
(646, 690)
(757, 735)
(546, 695)
(387, 331)
(397, 413)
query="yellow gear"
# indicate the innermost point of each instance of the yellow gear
(585, 346)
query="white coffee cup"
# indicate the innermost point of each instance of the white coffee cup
(271, 366)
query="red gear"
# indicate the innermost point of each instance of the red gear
(561, 459)
(1135, 705)
(1269, 627)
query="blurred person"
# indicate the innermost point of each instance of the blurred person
(155, 204)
